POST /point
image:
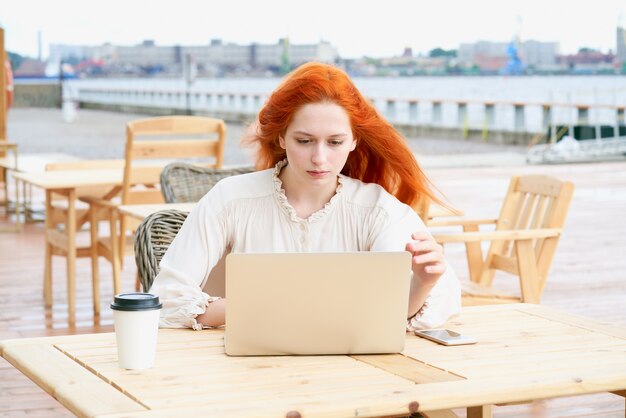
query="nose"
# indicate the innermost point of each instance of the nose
(319, 154)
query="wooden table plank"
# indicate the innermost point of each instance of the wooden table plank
(71, 179)
(83, 393)
(409, 368)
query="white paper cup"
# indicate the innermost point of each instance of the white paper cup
(136, 318)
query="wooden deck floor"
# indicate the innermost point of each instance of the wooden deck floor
(588, 277)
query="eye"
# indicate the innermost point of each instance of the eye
(335, 142)
(303, 141)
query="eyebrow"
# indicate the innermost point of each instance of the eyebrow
(341, 135)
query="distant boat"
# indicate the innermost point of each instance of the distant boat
(579, 143)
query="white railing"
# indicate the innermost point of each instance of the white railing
(484, 115)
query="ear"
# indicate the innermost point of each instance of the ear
(353, 145)
(281, 142)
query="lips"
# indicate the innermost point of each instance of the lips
(317, 174)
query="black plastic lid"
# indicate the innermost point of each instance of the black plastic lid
(136, 301)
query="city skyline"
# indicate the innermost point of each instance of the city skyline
(356, 29)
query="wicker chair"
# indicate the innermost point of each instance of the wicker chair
(185, 183)
(153, 237)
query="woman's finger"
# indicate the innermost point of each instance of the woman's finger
(424, 246)
(431, 257)
(435, 268)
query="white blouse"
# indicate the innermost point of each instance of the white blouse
(250, 213)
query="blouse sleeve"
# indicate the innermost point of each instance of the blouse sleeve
(198, 246)
(444, 300)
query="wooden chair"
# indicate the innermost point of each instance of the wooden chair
(57, 216)
(186, 183)
(429, 211)
(168, 138)
(152, 239)
(523, 243)
(9, 163)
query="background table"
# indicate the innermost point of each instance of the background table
(525, 352)
(65, 183)
(28, 163)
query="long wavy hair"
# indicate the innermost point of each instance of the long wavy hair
(381, 155)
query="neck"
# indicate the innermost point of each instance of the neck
(305, 199)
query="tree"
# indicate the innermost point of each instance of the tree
(15, 59)
(439, 52)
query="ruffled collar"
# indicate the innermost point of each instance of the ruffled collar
(284, 203)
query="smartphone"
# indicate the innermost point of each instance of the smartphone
(445, 336)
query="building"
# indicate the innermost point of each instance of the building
(214, 57)
(468, 53)
(146, 54)
(539, 54)
(492, 56)
(588, 62)
(76, 53)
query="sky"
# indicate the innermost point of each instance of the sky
(356, 28)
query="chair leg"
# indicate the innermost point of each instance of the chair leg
(121, 237)
(530, 282)
(18, 207)
(485, 411)
(487, 273)
(47, 273)
(71, 257)
(47, 277)
(115, 252)
(474, 255)
(95, 272)
(117, 272)
(5, 186)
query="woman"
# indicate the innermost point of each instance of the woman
(333, 176)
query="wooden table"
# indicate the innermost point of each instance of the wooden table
(525, 352)
(142, 211)
(65, 183)
(28, 163)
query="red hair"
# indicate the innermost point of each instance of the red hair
(381, 155)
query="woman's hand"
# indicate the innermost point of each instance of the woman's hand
(215, 314)
(428, 262)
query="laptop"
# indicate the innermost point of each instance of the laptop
(316, 303)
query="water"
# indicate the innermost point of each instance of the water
(569, 90)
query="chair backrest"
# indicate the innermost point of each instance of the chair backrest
(162, 140)
(169, 138)
(154, 236)
(185, 183)
(532, 202)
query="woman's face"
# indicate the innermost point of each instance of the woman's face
(317, 143)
